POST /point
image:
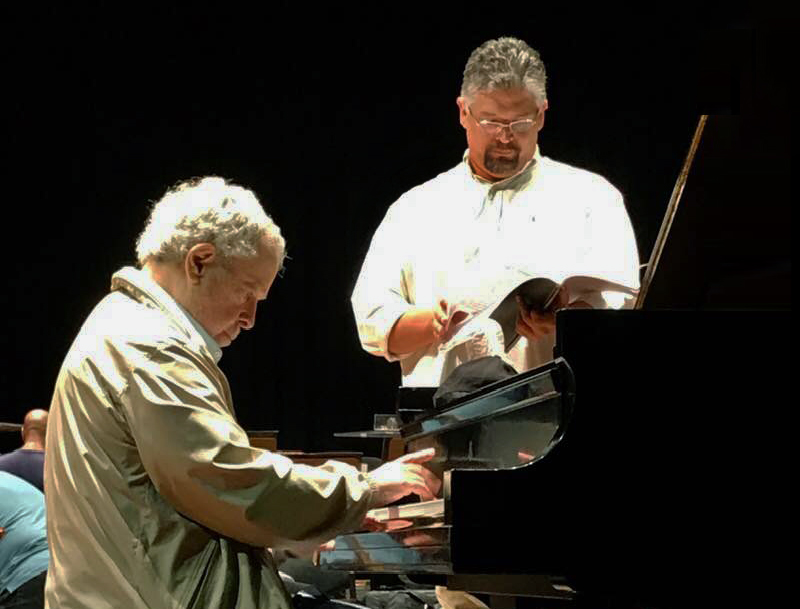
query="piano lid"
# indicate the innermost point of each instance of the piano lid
(513, 421)
(729, 243)
(516, 392)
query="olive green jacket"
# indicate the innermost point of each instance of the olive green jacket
(155, 497)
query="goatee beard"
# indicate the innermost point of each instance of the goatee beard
(501, 165)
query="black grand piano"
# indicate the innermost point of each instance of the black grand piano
(648, 464)
(651, 468)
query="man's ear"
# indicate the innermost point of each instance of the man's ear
(200, 256)
(541, 113)
(461, 102)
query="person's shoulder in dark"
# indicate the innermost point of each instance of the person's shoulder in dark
(26, 463)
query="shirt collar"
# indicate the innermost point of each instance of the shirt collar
(140, 284)
(213, 346)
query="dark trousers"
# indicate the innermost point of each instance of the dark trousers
(29, 595)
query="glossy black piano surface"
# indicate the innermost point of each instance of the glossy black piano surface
(670, 481)
(673, 478)
(510, 424)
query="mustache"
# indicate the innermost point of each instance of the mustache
(511, 148)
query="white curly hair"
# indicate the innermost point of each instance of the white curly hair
(207, 210)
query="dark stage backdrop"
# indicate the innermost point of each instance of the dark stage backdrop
(328, 115)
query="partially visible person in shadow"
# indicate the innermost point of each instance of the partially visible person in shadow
(23, 544)
(27, 462)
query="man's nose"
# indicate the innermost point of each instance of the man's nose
(505, 135)
(248, 318)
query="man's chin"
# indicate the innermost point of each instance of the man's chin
(223, 339)
(502, 171)
(502, 167)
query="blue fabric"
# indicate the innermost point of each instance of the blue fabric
(23, 547)
(213, 346)
(27, 464)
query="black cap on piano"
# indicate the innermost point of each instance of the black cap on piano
(471, 376)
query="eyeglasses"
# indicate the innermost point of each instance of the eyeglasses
(515, 127)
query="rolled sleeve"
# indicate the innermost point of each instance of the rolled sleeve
(384, 289)
(614, 251)
(374, 329)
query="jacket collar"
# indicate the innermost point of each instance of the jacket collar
(139, 284)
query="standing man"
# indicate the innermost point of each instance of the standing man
(504, 212)
(155, 498)
(27, 462)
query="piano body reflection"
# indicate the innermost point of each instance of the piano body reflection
(505, 428)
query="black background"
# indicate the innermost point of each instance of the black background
(328, 114)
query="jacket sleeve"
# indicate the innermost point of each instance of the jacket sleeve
(384, 290)
(201, 462)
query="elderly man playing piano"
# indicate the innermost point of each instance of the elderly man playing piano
(505, 211)
(155, 497)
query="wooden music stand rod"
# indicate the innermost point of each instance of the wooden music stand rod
(669, 216)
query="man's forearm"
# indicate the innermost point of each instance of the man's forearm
(414, 330)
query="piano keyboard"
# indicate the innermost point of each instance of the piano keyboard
(431, 509)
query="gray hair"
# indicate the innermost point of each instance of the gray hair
(207, 210)
(505, 63)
